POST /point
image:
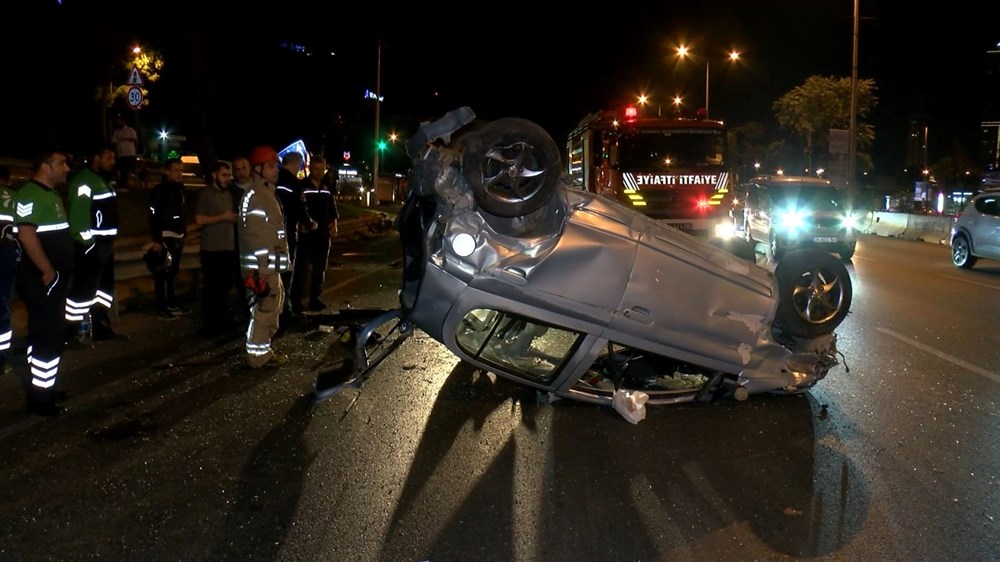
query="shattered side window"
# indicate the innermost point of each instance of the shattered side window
(620, 366)
(525, 348)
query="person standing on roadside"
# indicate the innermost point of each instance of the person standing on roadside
(297, 218)
(167, 230)
(216, 213)
(263, 257)
(241, 174)
(93, 225)
(238, 188)
(43, 232)
(314, 246)
(125, 140)
(10, 255)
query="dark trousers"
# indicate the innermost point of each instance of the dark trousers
(45, 306)
(287, 277)
(8, 269)
(311, 260)
(93, 287)
(164, 280)
(220, 272)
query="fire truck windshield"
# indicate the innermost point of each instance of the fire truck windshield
(652, 149)
(671, 169)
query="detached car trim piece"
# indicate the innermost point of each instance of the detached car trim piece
(519, 273)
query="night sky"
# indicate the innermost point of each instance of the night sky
(234, 76)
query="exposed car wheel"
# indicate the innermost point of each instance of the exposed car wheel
(961, 252)
(814, 293)
(513, 166)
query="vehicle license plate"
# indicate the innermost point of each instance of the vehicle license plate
(822, 239)
(685, 226)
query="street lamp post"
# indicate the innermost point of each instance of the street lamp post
(683, 52)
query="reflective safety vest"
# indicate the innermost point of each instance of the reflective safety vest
(42, 206)
(93, 207)
(7, 196)
(261, 229)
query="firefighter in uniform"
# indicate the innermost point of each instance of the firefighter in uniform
(263, 256)
(43, 231)
(93, 224)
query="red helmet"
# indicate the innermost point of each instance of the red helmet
(262, 155)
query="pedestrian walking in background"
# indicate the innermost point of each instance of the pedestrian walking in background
(43, 232)
(167, 230)
(216, 212)
(93, 225)
(125, 140)
(263, 256)
(297, 219)
(10, 255)
(314, 246)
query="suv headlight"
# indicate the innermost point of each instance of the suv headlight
(850, 221)
(791, 220)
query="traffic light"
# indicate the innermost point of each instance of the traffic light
(382, 145)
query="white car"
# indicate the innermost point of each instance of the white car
(975, 232)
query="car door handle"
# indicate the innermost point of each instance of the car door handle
(638, 314)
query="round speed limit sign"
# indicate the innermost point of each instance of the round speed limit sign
(134, 97)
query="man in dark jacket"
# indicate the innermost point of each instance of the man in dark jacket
(297, 219)
(167, 230)
(314, 246)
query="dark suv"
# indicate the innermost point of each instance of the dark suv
(798, 212)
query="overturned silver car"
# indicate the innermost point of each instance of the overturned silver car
(523, 275)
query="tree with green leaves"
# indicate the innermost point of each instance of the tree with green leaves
(150, 64)
(824, 103)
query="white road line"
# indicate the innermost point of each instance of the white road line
(988, 286)
(950, 358)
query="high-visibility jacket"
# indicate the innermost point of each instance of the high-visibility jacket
(93, 208)
(42, 206)
(261, 229)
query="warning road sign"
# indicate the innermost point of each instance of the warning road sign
(134, 78)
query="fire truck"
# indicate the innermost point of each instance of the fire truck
(670, 169)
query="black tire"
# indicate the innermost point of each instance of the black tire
(512, 165)
(961, 252)
(814, 293)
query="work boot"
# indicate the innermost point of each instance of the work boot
(275, 360)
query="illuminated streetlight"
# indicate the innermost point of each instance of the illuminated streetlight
(136, 50)
(684, 52)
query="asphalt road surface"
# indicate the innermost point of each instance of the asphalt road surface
(172, 450)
